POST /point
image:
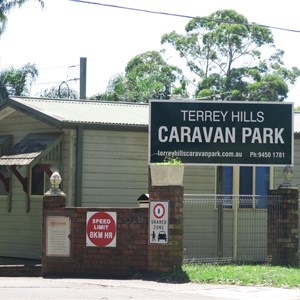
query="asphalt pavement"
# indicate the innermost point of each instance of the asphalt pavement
(38, 288)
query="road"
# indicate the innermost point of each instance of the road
(37, 288)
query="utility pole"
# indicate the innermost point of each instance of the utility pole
(220, 195)
(82, 87)
(79, 135)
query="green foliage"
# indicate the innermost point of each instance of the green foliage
(147, 76)
(62, 91)
(228, 57)
(170, 161)
(175, 161)
(297, 109)
(251, 274)
(18, 82)
(3, 91)
(261, 275)
(224, 52)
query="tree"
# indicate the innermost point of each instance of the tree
(147, 76)
(3, 91)
(62, 91)
(115, 91)
(297, 109)
(6, 6)
(18, 82)
(225, 54)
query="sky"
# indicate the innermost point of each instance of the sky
(55, 37)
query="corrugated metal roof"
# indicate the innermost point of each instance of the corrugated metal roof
(29, 148)
(97, 112)
(88, 112)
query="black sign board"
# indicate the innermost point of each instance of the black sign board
(221, 132)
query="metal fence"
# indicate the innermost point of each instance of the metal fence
(227, 228)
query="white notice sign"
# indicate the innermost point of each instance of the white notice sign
(58, 236)
(159, 222)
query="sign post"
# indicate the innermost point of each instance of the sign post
(159, 222)
(101, 229)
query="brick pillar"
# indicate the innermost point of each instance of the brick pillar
(54, 203)
(283, 227)
(164, 258)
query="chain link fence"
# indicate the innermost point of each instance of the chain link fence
(227, 228)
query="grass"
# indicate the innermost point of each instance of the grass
(255, 275)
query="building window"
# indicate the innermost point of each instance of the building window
(262, 185)
(228, 180)
(5, 177)
(37, 181)
(228, 186)
(246, 182)
(40, 182)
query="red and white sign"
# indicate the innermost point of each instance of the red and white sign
(159, 222)
(159, 210)
(101, 229)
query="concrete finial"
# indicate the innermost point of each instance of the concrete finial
(55, 181)
(288, 174)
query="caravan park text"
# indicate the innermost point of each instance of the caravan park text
(221, 134)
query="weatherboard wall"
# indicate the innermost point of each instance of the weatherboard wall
(115, 169)
(21, 231)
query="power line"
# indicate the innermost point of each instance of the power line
(60, 81)
(55, 82)
(182, 16)
(133, 9)
(49, 82)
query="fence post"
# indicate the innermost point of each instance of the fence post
(283, 226)
(220, 209)
(235, 206)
